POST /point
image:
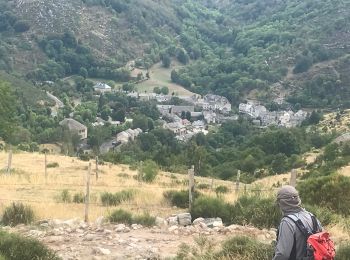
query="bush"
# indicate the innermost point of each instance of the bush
(324, 215)
(120, 216)
(148, 171)
(245, 248)
(145, 220)
(179, 198)
(221, 190)
(329, 192)
(65, 196)
(14, 247)
(343, 252)
(17, 213)
(21, 26)
(79, 198)
(260, 212)
(203, 186)
(110, 199)
(208, 207)
(52, 165)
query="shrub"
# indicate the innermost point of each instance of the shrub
(79, 198)
(343, 252)
(260, 212)
(329, 191)
(324, 215)
(52, 165)
(208, 207)
(179, 198)
(120, 216)
(148, 171)
(110, 199)
(245, 248)
(14, 247)
(21, 26)
(145, 219)
(17, 213)
(221, 190)
(65, 196)
(203, 186)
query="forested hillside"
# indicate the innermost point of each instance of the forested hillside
(232, 47)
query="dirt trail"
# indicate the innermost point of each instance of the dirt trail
(78, 241)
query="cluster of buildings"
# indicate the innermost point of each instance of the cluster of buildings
(264, 117)
(186, 122)
(128, 135)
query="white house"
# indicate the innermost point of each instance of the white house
(102, 87)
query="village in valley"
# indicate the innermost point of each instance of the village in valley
(194, 115)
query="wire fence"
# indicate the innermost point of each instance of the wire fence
(48, 183)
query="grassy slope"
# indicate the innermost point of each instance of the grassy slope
(28, 184)
(160, 77)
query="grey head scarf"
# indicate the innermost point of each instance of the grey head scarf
(288, 200)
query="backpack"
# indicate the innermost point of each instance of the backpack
(319, 246)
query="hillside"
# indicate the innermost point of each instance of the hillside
(234, 46)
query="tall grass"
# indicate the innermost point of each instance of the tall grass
(17, 213)
(14, 247)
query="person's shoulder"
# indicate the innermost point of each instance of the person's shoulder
(288, 220)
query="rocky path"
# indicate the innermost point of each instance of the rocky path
(73, 239)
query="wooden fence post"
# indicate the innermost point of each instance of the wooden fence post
(87, 196)
(190, 186)
(237, 180)
(45, 168)
(96, 168)
(9, 163)
(293, 178)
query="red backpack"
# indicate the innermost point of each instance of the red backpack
(319, 245)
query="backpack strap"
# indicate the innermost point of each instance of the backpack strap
(301, 226)
(315, 226)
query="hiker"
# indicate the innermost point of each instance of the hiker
(291, 242)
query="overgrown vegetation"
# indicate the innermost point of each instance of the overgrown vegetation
(114, 199)
(179, 198)
(125, 217)
(236, 145)
(17, 213)
(14, 247)
(330, 192)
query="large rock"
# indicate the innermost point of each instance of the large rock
(173, 221)
(100, 221)
(161, 222)
(197, 221)
(213, 222)
(184, 219)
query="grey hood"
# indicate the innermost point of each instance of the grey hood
(288, 200)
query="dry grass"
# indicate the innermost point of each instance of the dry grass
(27, 183)
(160, 77)
(331, 123)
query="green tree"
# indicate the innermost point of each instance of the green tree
(164, 90)
(7, 110)
(166, 61)
(21, 26)
(157, 90)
